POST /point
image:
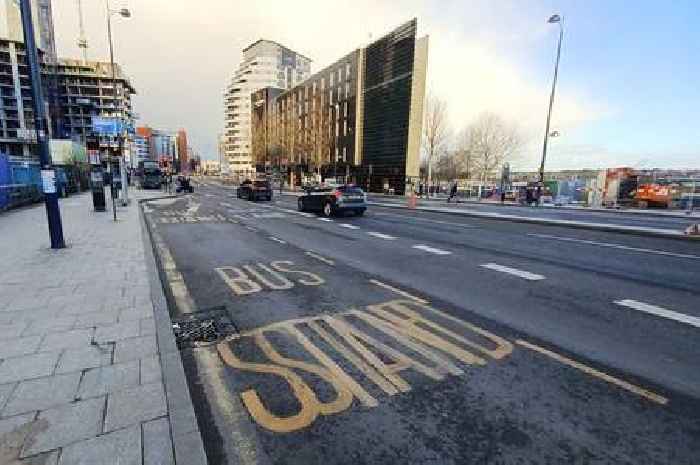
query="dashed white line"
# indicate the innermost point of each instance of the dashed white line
(318, 257)
(381, 236)
(616, 246)
(348, 226)
(328, 220)
(514, 271)
(277, 239)
(429, 249)
(659, 311)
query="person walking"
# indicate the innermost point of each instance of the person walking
(453, 193)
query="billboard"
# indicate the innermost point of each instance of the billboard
(107, 126)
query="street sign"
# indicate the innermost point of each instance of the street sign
(106, 126)
(48, 181)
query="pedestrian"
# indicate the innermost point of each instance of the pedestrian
(453, 193)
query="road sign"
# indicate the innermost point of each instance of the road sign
(106, 126)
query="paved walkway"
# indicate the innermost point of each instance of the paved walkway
(89, 373)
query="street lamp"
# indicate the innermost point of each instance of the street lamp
(552, 20)
(124, 13)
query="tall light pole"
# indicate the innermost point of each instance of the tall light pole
(124, 13)
(552, 20)
(48, 175)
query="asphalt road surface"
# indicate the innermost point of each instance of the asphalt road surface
(678, 223)
(415, 337)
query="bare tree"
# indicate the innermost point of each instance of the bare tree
(491, 142)
(464, 156)
(435, 131)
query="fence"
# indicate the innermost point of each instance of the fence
(20, 183)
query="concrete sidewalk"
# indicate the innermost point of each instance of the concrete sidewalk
(89, 370)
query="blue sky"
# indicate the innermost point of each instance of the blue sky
(629, 77)
(640, 59)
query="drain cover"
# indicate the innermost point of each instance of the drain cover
(203, 328)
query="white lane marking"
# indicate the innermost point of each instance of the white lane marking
(381, 236)
(398, 291)
(225, 204)
(325, 260)
(659, 311)
(514, 271)
(413, 218)
(328, 220)
(348, 226)
(307, 215)
(251, 228)
(617, 246)
(426, 248)
(276, 239)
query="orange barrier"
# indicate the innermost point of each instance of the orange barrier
(412, 200)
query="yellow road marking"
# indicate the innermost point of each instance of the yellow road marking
(598, 374)
(398, 291)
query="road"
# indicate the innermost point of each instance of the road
(658, 221)
(417, 337)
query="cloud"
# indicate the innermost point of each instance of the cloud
(180, 54)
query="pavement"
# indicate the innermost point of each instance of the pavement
(410, 336)
(89, 370)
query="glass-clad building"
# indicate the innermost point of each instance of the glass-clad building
(359, 119)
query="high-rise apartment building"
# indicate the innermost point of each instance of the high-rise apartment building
(85, 89)
(265, 64)
(359, 118)
(17, 136)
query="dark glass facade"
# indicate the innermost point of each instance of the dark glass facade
(350, 120)
(387, 103)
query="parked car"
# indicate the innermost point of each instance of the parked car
(254, 190)
(333, 200)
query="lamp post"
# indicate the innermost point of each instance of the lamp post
(124, 13)
(554, 19)
(48, 175)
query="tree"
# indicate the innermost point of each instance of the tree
(491, 141)
(464, 157)
(435, 131)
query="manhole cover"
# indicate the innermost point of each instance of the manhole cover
(203, 328)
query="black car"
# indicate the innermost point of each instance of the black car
(333, 200)
(254, 190)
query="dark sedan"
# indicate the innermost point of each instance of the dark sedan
(254, 190)
(333, 200)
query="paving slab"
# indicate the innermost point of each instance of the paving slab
(134, 348)
(42, 393)
(135, 405)
(91, 356)
(121, 447)
(66, 340)
(157, 445)
(117, 331)
(27, 367)
(64, 425)
(109, 379)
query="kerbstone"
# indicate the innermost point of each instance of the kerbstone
(135, 405)
(121, 447)
(27, 367)
(108, 379)
(63, 425)
(42, 393)
(189, 449)
(157, 444)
